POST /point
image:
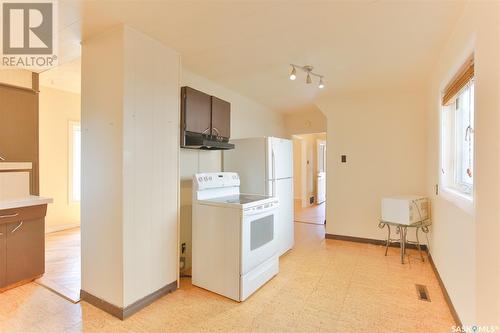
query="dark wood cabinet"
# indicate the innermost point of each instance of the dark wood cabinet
(19, 128)
(195, 111)
(22, 244)
(25, 250)
(205, 121)
(221, 118)
(3, 256)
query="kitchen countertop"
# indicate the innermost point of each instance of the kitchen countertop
(31, 200)
(8, 166)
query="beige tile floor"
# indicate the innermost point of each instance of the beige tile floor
(62, 263)
(323, 285)
(312, 214)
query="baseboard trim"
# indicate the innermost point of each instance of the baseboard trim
(124, 313)
(371, 241)
(447, 298)
(55, 228)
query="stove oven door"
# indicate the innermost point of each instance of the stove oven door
(258, 238)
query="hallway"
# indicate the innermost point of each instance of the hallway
(314, 214)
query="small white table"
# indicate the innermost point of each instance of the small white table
(402, 230)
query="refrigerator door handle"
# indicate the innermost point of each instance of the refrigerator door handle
(274, 173)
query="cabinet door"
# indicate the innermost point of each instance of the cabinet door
(25, 250)
(3, 257)
(196, 111)
(19, 128)
(221, 117)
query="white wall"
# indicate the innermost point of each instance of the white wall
(248, 119)
(311, 120)
(130, 131)
(151, 160)
(383, 136)
(56, 109)
(298, 189)
(464, 246)
(102, 166)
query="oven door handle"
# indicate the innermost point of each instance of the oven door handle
(253, 212)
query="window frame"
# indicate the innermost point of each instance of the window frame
(71, 128)
(452, 188)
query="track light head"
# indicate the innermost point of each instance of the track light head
(321, 84)
(293, 74)
(308, 79)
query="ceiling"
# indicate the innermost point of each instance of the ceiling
(247, 46)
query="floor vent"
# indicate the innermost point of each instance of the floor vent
(422, 293)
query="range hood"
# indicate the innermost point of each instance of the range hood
(200, 141)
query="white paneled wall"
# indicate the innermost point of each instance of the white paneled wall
(130, 150)
(102, 166)
(150, 168)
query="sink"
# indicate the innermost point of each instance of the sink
(7, 166)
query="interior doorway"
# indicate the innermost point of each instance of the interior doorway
(60, 178)
(309, 151)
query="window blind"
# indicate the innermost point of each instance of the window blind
(460, 80)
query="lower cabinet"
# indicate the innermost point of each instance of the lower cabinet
(22, 245)
(25, 250)
(3, 257)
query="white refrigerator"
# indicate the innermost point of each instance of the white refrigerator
(265, 166)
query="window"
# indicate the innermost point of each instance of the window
(74, 161)
(457, 135)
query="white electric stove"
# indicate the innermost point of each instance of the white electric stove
(235, 250)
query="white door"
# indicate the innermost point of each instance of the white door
(283, 190)
(280, 158)
(321, 172)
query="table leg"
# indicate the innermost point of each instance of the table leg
(388, 239)
(404, 240)
(402, 244)
(418, 244)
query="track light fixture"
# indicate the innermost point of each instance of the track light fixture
(309, 70)
(293, 74)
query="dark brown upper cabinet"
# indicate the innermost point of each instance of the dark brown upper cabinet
(205, 121)
(221, 118)
(195, 111)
